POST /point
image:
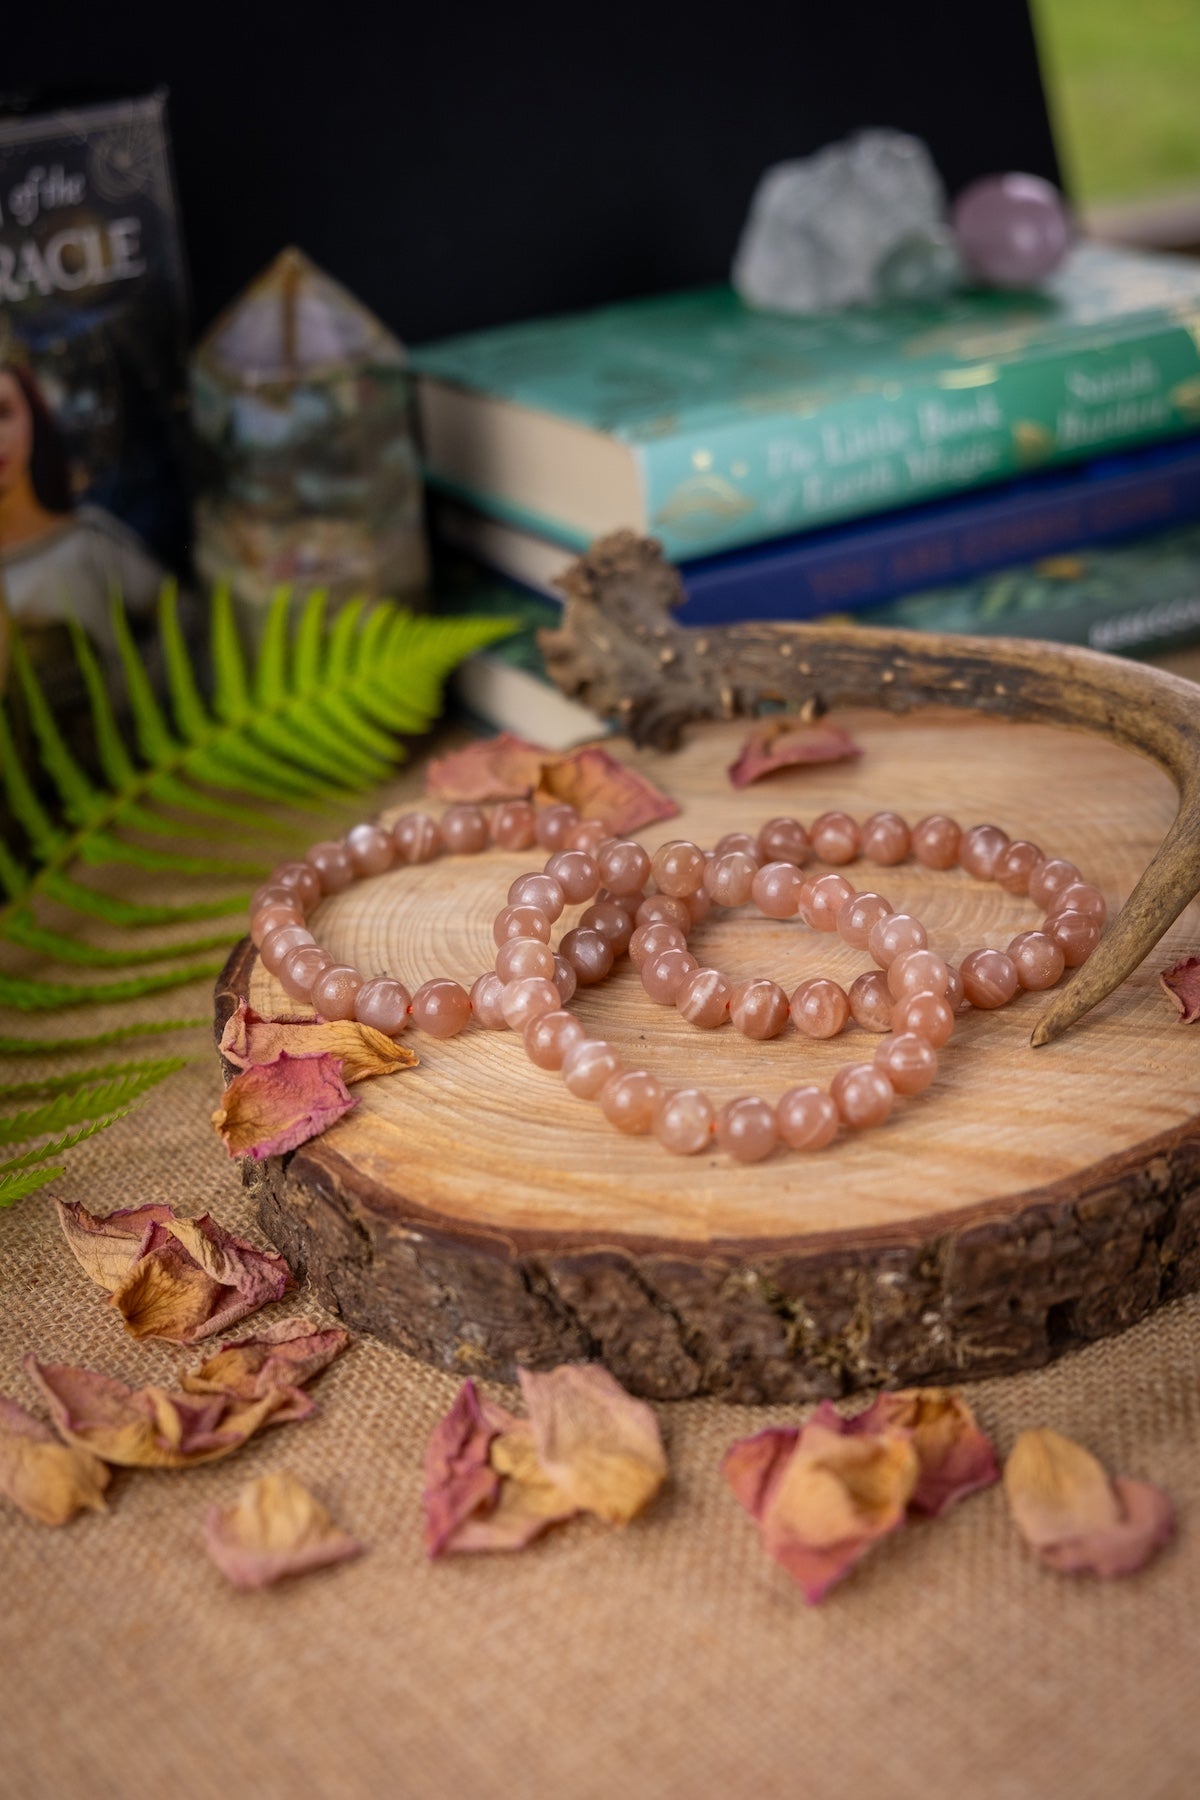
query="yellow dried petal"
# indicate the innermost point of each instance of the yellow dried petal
(274, 1528)
(49, 1481)
(599, 1446)
(1056, 1489)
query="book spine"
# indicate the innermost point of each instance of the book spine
(911, 438)
(884, 557)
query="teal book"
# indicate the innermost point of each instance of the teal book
(691, 417)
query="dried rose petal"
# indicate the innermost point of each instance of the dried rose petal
(823, 1495)
(526, 1503)
(106, 1246)
(1074, 1517)
(504, 767)
(195, 1280)
(272, 1107)
(786, 743)
(600, 787)
(49, 1481)
(283, 1357)
(459, 1479)
(248, 1039)
(145, 1427)
(1182, 985)
(274, 1528)
(597, 1444)
(956, 1458)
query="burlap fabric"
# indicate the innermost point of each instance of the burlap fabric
(668, 1659)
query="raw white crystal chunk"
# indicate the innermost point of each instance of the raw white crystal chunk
(820, 226)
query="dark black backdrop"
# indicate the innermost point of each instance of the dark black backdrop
(461, 165)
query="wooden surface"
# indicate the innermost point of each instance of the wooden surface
(478, 1214)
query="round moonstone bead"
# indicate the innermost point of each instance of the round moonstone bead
(629, 1100)
(870, 1001)
(537, 890)
(613, 921)
(1048, 881)
(589, 954)
(441, 1007)
(417, 838)
(678, 867)
(521, 922)
(908, 1060)
(1037, 959)
(624, 866)
(464, 830)
(301, 878)
(729, 879)
(487, 995)
(587, 1065)
(1082, 897)
(981, 849)
(746, 1129)
(758, 1008)
(528, 999)
(1015, 865)
(513, 825)
(372, 850)
(740, 840)
(565, 979)
(956, 1000)
(648, 940)
(273, 893)
(862, 1094)
(783, 840)
(277, 944)
(820, 1008)
(335, 991)
(928, 1015)
(383, 1003)
(989, 978)
(683, 1121)
(553, 825)
(549, 1037)
(856, 917)
(664, 975)
(699, 906)
(807, 1118)
(895, 935)
(575, 873)
(822, 899)
(775, 890)
(919, 972)
(703, 998)
(935, 841)
(300, 968)
(331, 860)
(835, 837)
(524, 956)
(1075, 934)
(666, 907)
(274, 918)
(886, 839)
(1012, 230)
(588, 836)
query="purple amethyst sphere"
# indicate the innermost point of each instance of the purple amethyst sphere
(1012, 230)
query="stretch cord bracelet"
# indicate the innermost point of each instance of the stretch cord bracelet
(914, 993)
(922, 990)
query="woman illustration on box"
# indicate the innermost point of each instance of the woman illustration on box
(58, 560)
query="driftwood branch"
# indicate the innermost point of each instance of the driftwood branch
(621, 651)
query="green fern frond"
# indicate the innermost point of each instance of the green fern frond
(150, 1071)
(15, 1187)
(30, 995)
(25, 931)
(97, 1040)
(89, 1098)
(30, 1158)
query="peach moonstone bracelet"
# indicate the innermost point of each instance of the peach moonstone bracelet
(913, 994)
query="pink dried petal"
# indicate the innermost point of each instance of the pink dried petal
(785, 743)
(595, 1443)
(1146, 1523)
(249, 1039)
(270, 1108)
(199, 1280)
(956, 1458)
(280, 1357)
(1182, 986)
(50, 1482)
(600, 787)
(1074, 1517)
(275, 1528)
(107, 1245)
(459, 1479)
(503, 767)
(146, 1427)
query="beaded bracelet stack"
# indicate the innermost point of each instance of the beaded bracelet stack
(648, 907)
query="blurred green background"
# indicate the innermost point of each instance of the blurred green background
(1123, 82)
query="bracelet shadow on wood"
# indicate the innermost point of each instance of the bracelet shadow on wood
(621, 651)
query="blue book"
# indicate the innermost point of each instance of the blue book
(880, 558)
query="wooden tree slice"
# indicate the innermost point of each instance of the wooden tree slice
(475, 1213)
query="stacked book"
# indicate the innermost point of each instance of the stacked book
(847, 464)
